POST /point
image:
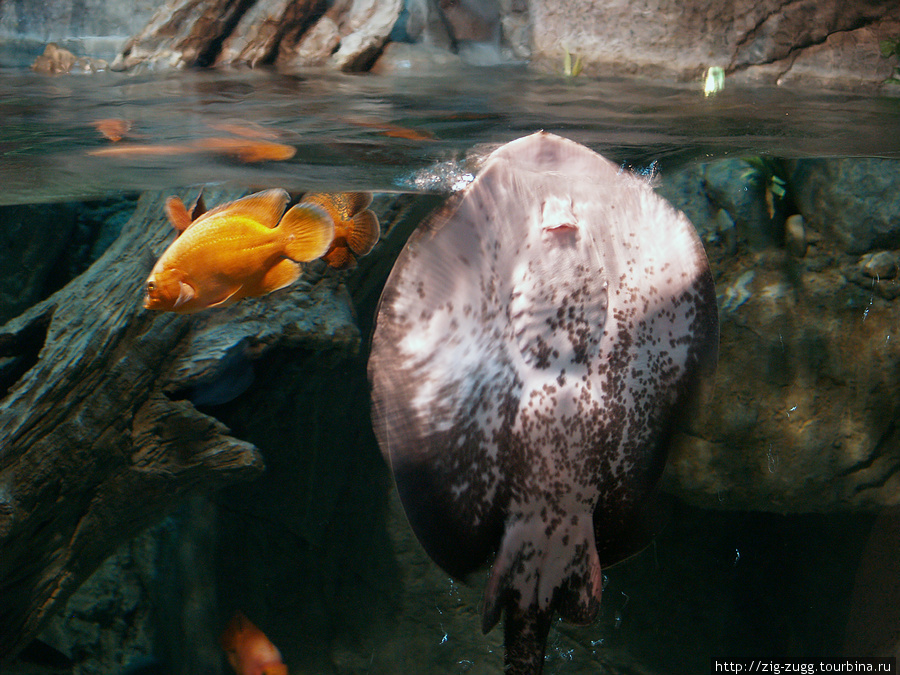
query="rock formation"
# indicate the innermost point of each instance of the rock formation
(772, 41)
(802, 414)
(347, 35)
(789, 43)
(99, 439)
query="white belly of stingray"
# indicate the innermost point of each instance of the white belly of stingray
(530, 345)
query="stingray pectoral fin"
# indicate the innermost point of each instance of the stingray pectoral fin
(308, 232)
(440, 521)
(622, 534)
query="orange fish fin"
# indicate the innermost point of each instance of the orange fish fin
(186, 293)
(364, 232)
(178, 214)
(340, 257)
(354, 202)
(308, 232)
(237, 294)
(264, 207)
(326, 201)
(282, 274)
(340, 205)
(199, 206)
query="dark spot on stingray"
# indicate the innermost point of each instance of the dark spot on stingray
(524, 398)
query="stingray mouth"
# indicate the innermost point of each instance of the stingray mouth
(558, 215)
(561, 227)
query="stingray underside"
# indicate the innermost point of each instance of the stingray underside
(532, 346)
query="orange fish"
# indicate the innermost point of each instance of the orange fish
(355, 227)
(236, 250)
(248, 649)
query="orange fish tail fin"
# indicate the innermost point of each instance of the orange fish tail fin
(363, 233)
(308, 232)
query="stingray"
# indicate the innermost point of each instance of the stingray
(534, 345)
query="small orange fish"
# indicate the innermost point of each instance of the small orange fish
(356, 228)
(248, 649)
(236, 250)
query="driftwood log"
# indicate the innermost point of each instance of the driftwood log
(347, 35)
(98, 435)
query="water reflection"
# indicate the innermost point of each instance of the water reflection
(717, 582)
(363, 132)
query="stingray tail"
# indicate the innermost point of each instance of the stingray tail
(309, 231)
(536, 574)
(525, 639)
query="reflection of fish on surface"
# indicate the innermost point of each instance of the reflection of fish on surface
(236, 250)
(533, 345)
(356, 228)
(394, 130)
(113, 128)
(247, 150)
(248, 649)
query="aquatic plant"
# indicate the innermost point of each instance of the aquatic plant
(571, 68)
(891, 47)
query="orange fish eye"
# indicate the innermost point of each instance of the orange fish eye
(151, 286)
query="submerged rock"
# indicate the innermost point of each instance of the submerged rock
(795, 236)
(800, 417)
(880, 265)
(855, 200)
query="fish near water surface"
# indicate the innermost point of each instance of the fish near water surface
(237, 250)
(248, 649)
(356, 228)
(533, 345)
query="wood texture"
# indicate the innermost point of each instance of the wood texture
(97, 436)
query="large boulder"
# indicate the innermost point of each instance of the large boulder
(855, 200)
(801, 414)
